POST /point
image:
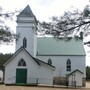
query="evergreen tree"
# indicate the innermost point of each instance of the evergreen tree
(87, 73)
(3, 59)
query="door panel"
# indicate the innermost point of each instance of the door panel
(21, 75)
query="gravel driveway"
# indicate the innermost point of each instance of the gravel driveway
(3, 87)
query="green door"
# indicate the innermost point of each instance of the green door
(21, 75)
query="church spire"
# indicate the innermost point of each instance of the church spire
(26, 27)
(27, 12)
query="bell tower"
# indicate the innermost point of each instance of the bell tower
(26, 27)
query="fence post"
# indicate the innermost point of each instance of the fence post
(37, 81)
(53, 83)
(67, 83)
(75, 84)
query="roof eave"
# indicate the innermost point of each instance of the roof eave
(60, 55)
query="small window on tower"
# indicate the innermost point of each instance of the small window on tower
(24, 42)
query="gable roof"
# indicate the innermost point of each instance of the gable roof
(42, 62)
(39, 62)
(16, 53)
(75, 71)
(27, 12)
(52, 46)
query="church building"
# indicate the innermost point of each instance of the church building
(44, 60)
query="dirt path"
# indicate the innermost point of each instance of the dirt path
(87, 84)
(3, 87)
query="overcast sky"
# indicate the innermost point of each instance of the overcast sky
(42, 9)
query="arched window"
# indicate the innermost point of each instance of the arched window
(24, 42)
(68, 65)
(49, 61)
(22, 63)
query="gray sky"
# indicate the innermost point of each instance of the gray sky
(43, 10)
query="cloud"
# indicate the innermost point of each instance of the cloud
(45, 2)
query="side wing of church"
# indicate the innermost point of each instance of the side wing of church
(44, 60)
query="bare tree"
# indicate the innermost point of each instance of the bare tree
(6, 35)
(70, 24)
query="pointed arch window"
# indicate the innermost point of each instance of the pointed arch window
(24, 42)
(49, 61)
(22, 63)
(68, 65)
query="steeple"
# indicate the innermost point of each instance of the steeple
(26, 16)
(27, 12)
(26, 27)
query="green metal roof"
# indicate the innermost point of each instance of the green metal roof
(52, 46)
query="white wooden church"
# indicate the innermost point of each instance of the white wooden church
(44, 60)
